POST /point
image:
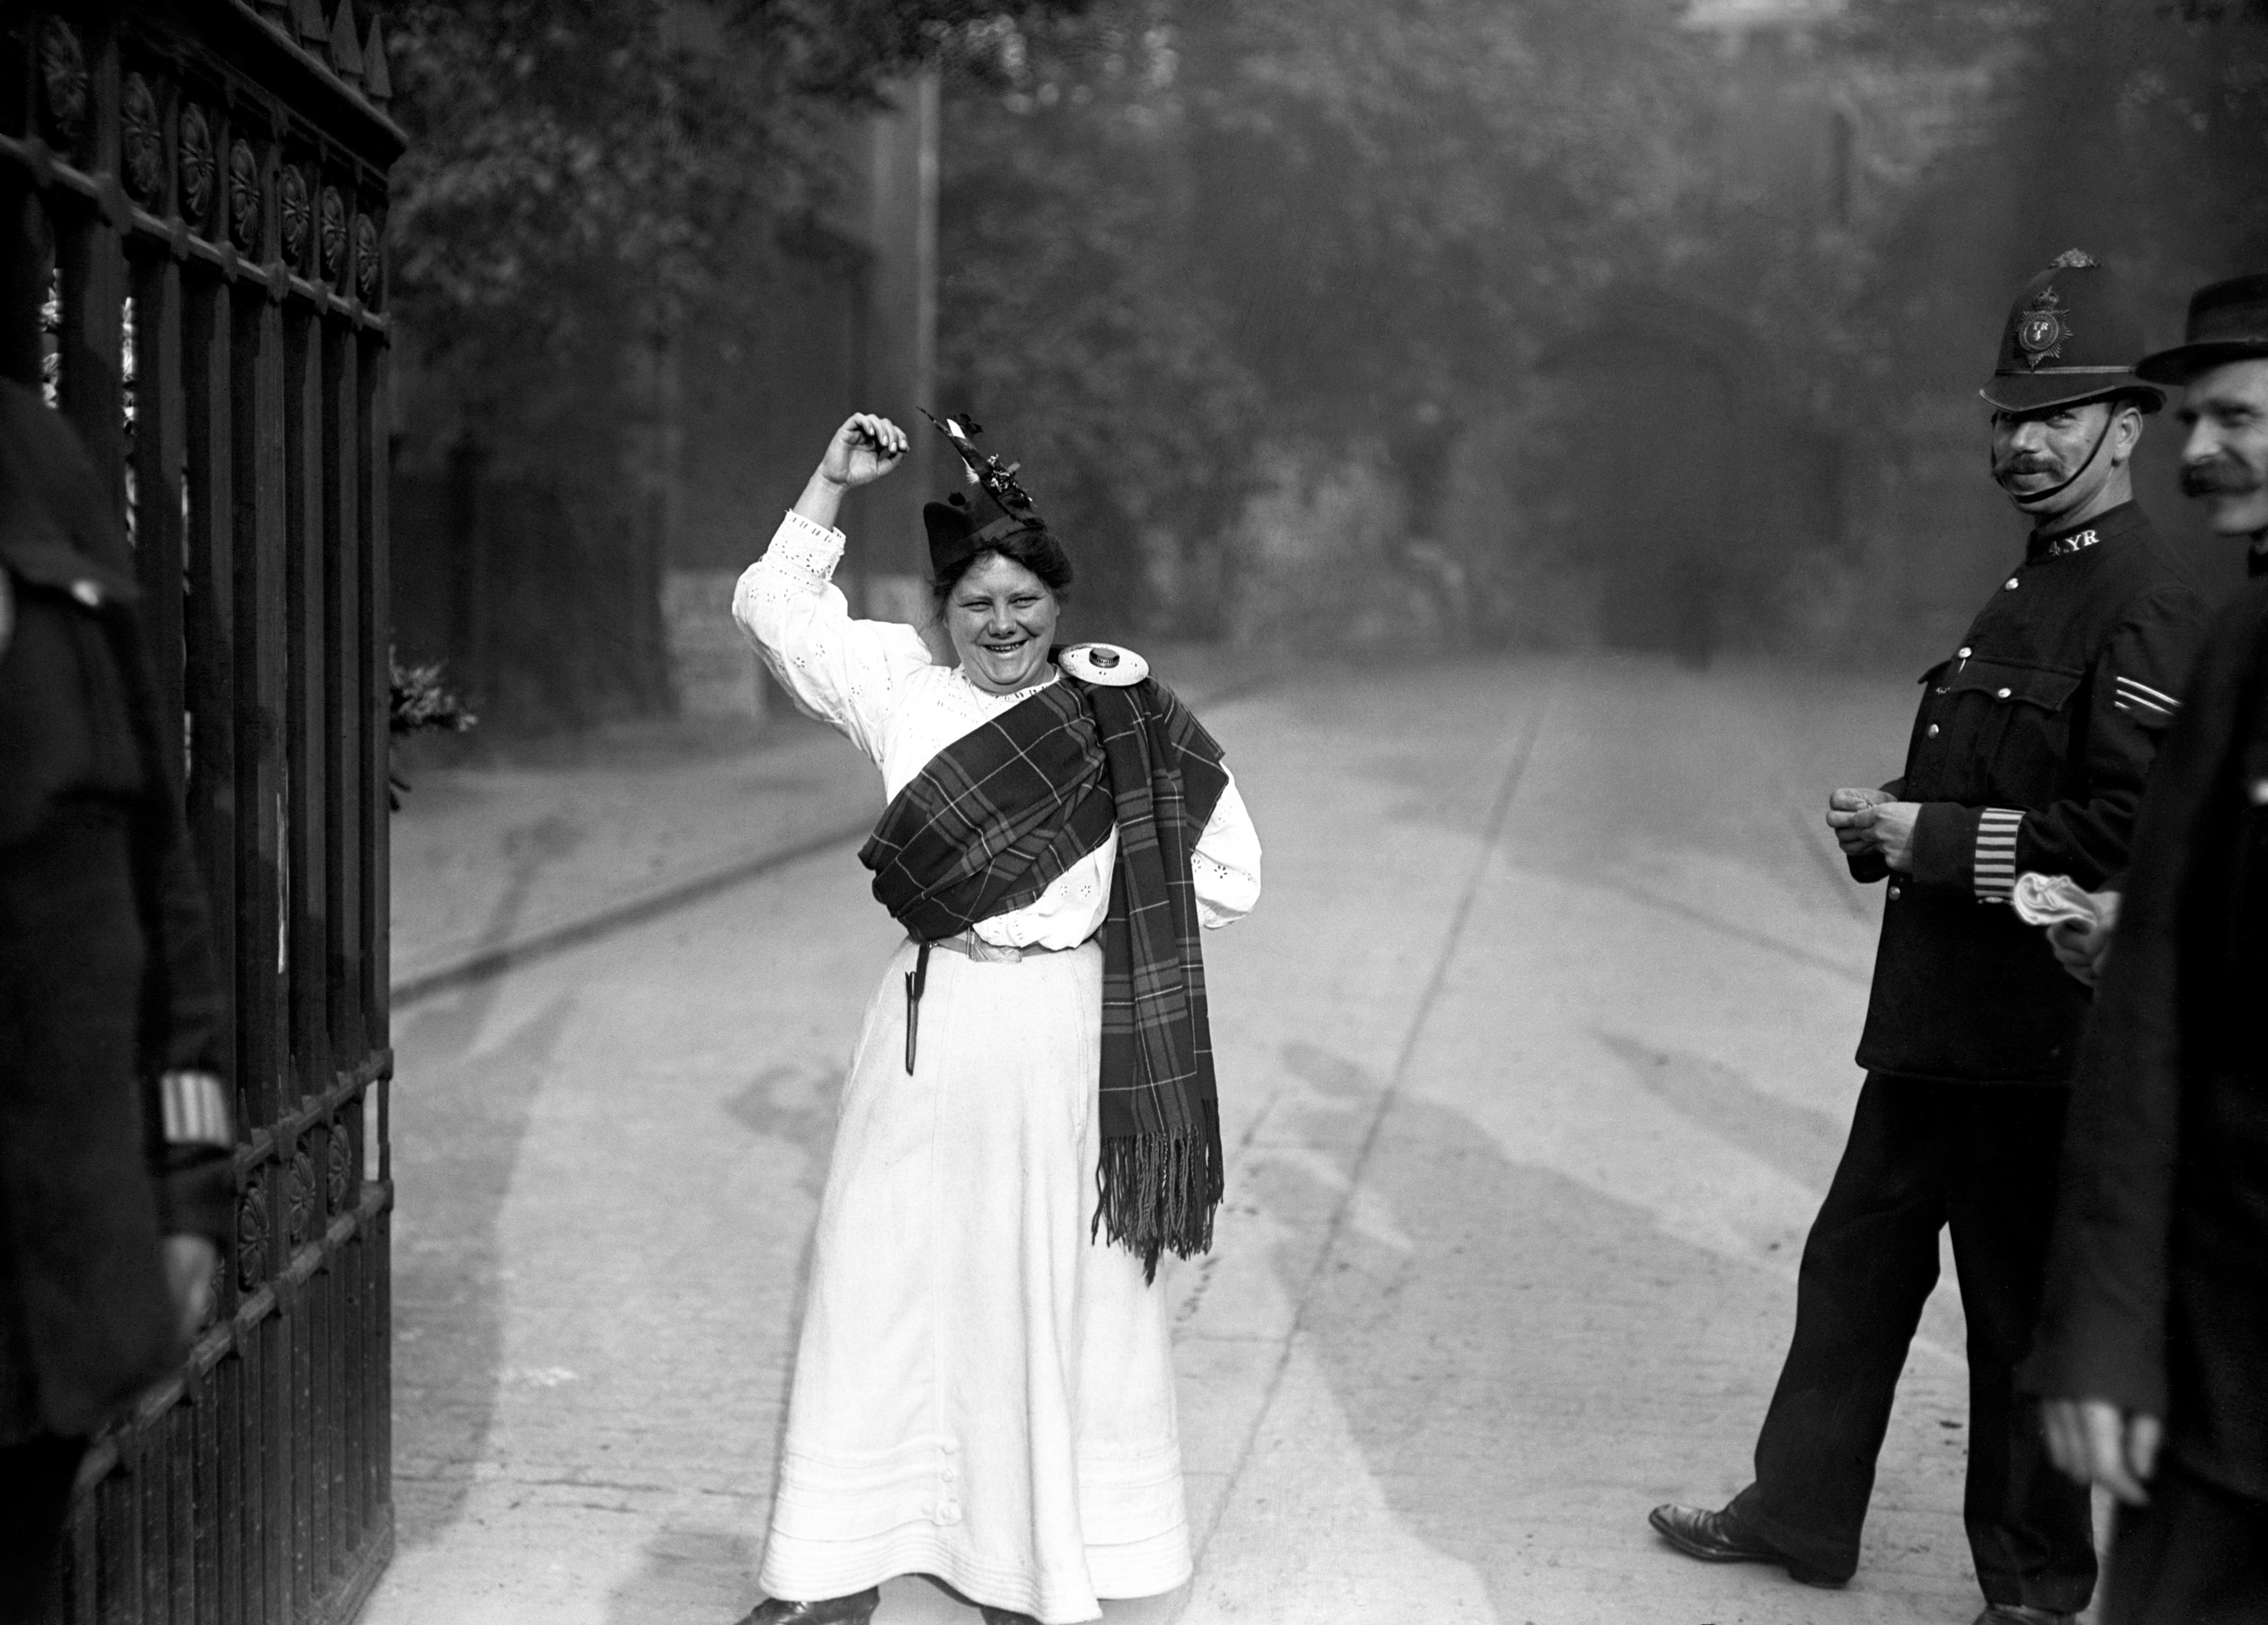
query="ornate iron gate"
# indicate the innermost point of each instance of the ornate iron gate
(194, 197)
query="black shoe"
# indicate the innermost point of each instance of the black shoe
(852, 1610)
(1714, 1537)
(2022, 1613)
(1003, 1616)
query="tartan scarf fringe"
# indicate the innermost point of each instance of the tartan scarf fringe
(1157, 1193)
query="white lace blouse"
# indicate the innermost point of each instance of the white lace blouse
(876, 683)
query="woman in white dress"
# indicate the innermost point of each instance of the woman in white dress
(984, 1387)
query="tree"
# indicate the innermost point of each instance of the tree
(1195, 251)
(1074, 320)
(582, 175)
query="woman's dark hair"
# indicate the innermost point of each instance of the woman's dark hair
(1037, 551)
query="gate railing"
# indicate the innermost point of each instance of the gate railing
(194, 197)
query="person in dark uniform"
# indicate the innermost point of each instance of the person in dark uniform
(2029, 752)
(114, 1125)
(2153, 1342)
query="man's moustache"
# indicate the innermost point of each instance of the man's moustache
(2013, 470)
(2219, 476)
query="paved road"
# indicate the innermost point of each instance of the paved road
(1535, 1062)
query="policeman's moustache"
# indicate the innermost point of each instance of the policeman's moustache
(2029, 500)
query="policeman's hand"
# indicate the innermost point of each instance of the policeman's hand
(1881, 825)
(2081, 945)
(863, 449)
(2095, 1443)
(188, 1261)
(1894, 830)
(1846, 809)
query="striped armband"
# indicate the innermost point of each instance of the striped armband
(2153, 708)
(195, 1110)
(1995, 854)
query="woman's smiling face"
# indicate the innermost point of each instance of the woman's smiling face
(1002, 620)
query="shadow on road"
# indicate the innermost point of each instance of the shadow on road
(1527, 1366)
(458, 1125)
(1800, 1142)
(682, 1571)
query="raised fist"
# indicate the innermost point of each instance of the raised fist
(863, 449)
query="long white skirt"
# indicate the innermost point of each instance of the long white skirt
(981, 1392)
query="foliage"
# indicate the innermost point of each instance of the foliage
(557, 144)
(1178, 237)
(2137, 132)
(419, 699)
(1403, 199)
(1070, 320)
(586, 181)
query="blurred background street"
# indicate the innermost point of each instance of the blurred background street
(1536, 1060)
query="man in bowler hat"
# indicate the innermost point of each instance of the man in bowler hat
(2152, 1350)
(115, 1122)
(2029, 752)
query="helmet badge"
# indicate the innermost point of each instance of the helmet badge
(2041, 329)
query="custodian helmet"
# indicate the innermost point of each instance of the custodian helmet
(2069, 337)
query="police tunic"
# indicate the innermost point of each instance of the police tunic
(2029, 752)
(115, 1121)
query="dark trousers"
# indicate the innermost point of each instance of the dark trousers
(35, 1486)
(1921, 1156)
(2197, 1555)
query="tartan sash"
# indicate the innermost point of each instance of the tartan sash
(994, 818)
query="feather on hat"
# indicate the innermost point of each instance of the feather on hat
(954, 534)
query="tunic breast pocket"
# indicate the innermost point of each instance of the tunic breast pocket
(2021, 718)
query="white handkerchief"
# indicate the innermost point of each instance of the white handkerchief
(2044, 899)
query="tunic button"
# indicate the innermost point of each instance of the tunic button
(1895, 893)
(952, 1447)
(949, 1474)
(1964, 654)
(2005, 693)
(2012, 583)
(1933, 730)
(948, 1511)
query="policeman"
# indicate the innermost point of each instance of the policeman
(2029, 752)
(2151, 1346)
(114, 1130)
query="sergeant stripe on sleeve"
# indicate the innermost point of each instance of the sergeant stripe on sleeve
(2147, 704)
(1995, 854)
(195, 1110)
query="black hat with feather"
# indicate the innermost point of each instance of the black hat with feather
(957, 529)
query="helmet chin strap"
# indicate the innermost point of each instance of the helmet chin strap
(2030, 501)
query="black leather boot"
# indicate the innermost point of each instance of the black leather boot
(856, 1609)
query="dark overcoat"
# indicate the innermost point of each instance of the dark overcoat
(114, 1126)
(2158, 1289)
(2029, 752)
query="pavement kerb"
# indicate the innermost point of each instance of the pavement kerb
(480, 964)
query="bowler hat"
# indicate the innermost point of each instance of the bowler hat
(2070, 337)
(2229, 322)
